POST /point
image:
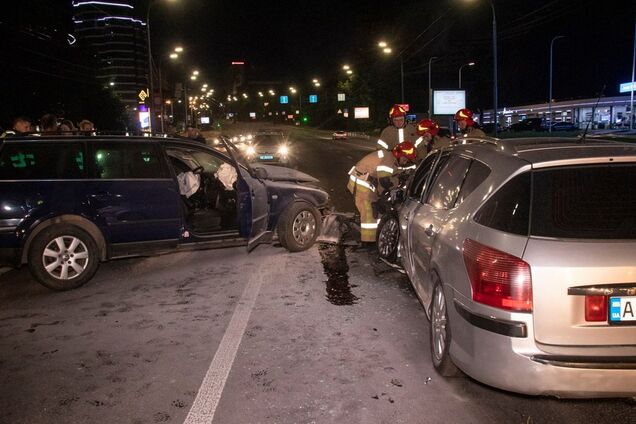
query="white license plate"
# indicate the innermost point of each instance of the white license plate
(622, 309)
(266, 157)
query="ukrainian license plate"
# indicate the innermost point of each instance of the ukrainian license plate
(266, 157)
(622, 310)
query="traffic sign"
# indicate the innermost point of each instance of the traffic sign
(313, 98)
(627, 87)
(341, 97)
(284, 100)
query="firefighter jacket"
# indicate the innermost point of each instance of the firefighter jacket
(375, 171)
(392, 136)
(473, 132)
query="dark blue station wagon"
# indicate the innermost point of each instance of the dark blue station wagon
(68, 203)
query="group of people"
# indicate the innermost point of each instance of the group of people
(401, 146)
(48, 124)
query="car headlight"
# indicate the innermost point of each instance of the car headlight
(283, 150)
(249, 136)
(251, 150)
(242, 138)
(234, 138)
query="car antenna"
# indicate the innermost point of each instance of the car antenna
(582, 138)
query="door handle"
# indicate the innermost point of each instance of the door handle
(429, 231)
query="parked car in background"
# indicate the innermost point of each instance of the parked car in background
(68, 203)
(489, 128)
(522, 254)
(530, 124)
(564, 126)
(339, 135)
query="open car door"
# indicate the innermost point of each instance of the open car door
(253, 203)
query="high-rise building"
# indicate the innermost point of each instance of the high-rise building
(116, 35)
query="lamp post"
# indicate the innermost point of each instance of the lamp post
(550, 82)
(173, 56)
(460, 72)
(150, 76)
(494, 65)
(430, 91)
(388, 50)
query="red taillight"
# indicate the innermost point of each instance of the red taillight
(595, 308)
(497, 278)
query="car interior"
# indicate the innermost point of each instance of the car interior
(208, 190)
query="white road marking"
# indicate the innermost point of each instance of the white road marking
(209, 394)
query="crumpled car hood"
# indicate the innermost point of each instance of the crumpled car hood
(280, 173)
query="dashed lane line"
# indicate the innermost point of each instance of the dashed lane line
(209, 394)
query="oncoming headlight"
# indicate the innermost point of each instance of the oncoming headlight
(283, 150)
(251, 151)
(235, 138)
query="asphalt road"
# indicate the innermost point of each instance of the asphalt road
(322, 336)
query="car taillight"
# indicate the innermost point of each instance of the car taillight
(595, 308)
(497, 278)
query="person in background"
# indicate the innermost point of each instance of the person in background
(398, 130)
(194, 134)
(20, 126)
(86, 126)
(429, 137)
(464, 119)
(67, 126)
(48, 123)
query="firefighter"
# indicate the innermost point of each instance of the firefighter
(397, 131)
(370, 177)
(464, 119)
(428, 130)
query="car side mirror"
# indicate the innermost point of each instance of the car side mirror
(397, 196)
(260, 173)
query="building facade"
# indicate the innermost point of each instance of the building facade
(118, 41)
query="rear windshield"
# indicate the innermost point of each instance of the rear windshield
(588, 202)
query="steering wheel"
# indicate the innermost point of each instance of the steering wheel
(198, 170)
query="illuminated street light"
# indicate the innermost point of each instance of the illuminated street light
(460, 72)
(205, 86)
(178, 49)
(382, 44)
(204, 89)
(387, 50)
(173, 56)
(111, 83)
(195, 72)
(346, 67)
(349, 71)
(193, 77)
(260, 94)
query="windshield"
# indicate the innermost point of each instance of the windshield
(268, 140)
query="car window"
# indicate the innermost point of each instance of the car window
(594, 202)
(416, 187)
(447, 182)
(127, 160)
(508, 209)
(268, 140)
(41, 161)
(187, 159)
(477, 174)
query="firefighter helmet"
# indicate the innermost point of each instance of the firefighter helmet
(405, 149)
(397, 111)
(427, 126)
(465, 115)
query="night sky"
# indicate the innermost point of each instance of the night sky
(294, 41)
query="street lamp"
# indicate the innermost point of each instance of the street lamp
(550, 83)
(388, 50)
(460, 72)
(173, 56)
(430, 91)
(150, 75)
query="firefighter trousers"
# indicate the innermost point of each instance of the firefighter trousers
(363, 198)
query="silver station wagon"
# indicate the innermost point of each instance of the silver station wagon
(523, 253)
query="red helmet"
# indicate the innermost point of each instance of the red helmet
(427, 126)
(397, 111)
(465, 115)
(405, 149)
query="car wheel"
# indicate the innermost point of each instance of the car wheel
(63, 257)
(299, 226)
(441, 334)
(388, 236)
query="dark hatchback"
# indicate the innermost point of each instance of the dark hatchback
(68, 203)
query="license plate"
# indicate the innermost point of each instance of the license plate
(622, 310)
(266, 157)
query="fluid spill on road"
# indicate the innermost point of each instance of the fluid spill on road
(334, 261)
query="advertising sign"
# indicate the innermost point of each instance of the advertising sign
(205, 119)
(144, 120)
(253, 115)
(361, 112)
(447, 102)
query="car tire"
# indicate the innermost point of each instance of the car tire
(63, 257)
(299, 226)
(388, 237)
(440, 333)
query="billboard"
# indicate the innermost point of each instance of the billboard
(447, 102)
(205, 119)
(361, 112)
(144, 120)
